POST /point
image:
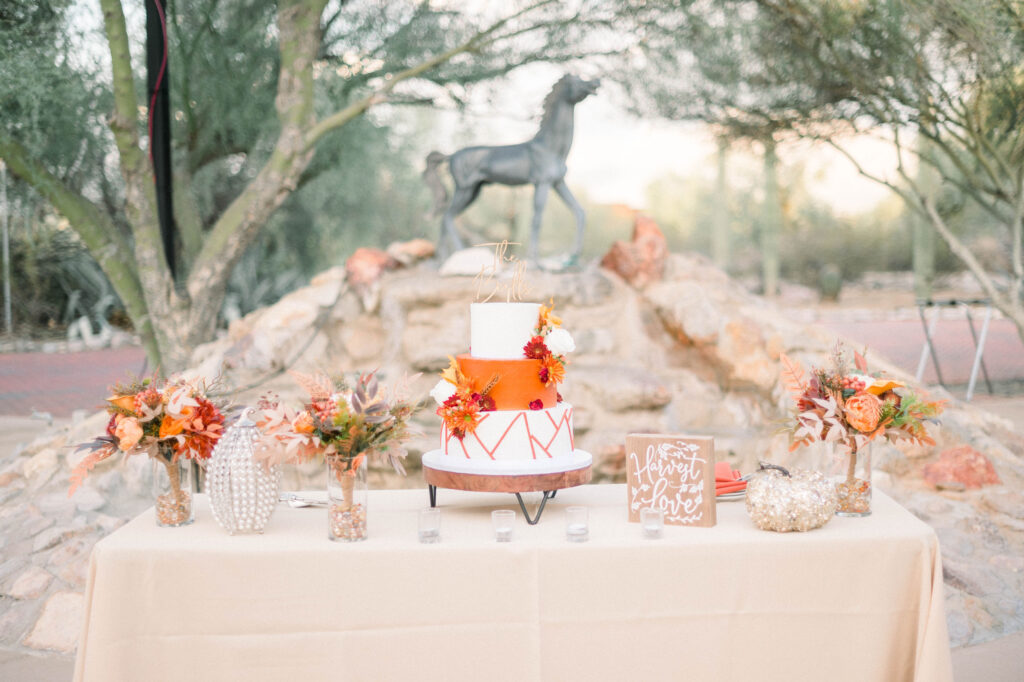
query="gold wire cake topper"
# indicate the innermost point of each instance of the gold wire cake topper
(514, 289)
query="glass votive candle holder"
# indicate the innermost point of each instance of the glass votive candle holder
(577, 524)
(502, 520)
(652, 521)
(430, 525)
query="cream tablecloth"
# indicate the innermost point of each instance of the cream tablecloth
(858, 600)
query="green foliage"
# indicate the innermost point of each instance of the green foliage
(53, 279)
(51, 98)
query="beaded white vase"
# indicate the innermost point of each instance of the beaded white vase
(243, 492)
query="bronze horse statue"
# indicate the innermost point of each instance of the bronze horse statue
(539, 162)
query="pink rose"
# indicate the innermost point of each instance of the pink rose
(128, 432)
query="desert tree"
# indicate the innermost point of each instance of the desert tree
(262, 88)
(942, 81)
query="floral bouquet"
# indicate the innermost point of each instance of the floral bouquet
(460, 401)
(345, 425)
(170, 421)
(850, 407)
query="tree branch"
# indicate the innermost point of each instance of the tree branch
(97, 231)
(379, 95)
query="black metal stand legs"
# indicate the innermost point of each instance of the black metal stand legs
(548, 495)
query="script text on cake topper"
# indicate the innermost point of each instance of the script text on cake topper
(488, 282)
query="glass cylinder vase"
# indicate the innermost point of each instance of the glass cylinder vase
(172, 490)
(346, 498)
(851, 471)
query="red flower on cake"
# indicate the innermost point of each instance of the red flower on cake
(558, 396)
(537, 404)
(536, 349)
(485, 402)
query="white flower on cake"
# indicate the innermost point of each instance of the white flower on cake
(559, 342)
(442, 391)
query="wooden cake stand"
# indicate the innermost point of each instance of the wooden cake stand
(445, 471)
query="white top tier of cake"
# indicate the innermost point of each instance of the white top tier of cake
(498, 331)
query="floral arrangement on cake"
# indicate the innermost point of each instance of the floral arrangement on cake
(170, 420)
(550, 344)
(852, 407)
(459, 402)
(345, 424)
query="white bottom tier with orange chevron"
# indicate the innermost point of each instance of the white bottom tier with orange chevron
(515, 435)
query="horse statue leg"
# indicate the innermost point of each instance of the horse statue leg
(462, 198)
(577, 211)
(540, 200)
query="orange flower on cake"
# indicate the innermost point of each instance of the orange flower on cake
(552, 370)
(127, 431)
(863, 411)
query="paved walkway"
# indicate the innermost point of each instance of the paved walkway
(60, 383)
(901, 340)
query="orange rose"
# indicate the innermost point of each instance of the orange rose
(128, 432)
(303, 422)
(863, 411)
(170, 426)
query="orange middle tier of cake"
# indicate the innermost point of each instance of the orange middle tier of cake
(518, 384)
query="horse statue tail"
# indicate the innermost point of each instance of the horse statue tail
(433, 180)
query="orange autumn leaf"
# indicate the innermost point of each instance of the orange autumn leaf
(792, 376)
(124, 402)
(547, 317)
(81, 469)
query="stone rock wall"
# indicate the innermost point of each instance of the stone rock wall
(693, 352)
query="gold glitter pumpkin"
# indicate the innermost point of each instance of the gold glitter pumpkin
(785, 501)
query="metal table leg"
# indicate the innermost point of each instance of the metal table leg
(979, 344)
(929, 346)
(979, 350)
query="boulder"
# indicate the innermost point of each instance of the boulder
(470, 263)
(963, 465)
(30, 584)
(642, 260)
(412, 251)
(59, 625)
(366, 265)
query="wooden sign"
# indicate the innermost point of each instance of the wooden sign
(673, 473)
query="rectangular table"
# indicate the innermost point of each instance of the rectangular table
(858, 600)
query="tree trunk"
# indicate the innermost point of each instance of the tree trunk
(923, 257)
(922, 234)
(720, 217)
(299, 42)
(771, 221)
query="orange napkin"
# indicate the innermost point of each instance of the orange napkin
(727, 479)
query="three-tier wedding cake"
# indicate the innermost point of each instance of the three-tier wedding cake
(500, 407)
